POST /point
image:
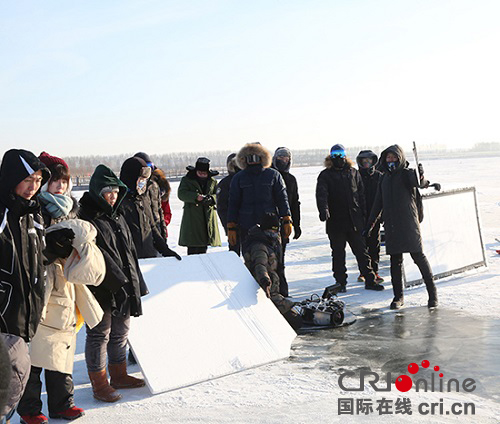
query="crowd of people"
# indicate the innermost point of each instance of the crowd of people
(65, 264)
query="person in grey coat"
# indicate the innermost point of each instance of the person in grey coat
(396, 203)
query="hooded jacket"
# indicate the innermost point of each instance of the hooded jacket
(341, 192)
(256, 189)
(371, 178)
(22, 281)
(136, 209)
(199, 226)
(116, 243)
(395, 202)
(292, 189)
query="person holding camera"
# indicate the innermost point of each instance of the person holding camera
(199, 226)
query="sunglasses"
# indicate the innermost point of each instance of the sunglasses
(337, 154)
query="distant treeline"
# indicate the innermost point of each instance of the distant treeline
(174, 164)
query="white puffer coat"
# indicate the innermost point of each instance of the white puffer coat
(68, 302)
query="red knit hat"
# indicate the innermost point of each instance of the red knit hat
(52, 160)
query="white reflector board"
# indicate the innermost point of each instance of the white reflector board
(451, 235)
(205, 317)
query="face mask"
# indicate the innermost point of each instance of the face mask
(281, 165)
(141, 187)
(391, 166)
(338, 162)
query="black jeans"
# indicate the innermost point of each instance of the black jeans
(110, 336)
(281, 265)
(60, 392)
(397, 272)
(194, 250)
(338, 240)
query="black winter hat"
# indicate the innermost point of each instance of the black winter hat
(132, 169)
(270, 221)
(202, 164)
(145, 157)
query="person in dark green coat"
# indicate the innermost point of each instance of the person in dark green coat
(199, 226)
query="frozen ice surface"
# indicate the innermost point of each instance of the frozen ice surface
(461, 336)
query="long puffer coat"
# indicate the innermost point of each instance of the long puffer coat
(69, 301)
(396, 203)
(199, 226)
(256, 190)
(115, 241)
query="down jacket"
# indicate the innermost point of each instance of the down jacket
(69, 302)
(396, 203)
(22, 281)
(256, 190)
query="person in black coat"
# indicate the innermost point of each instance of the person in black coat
(341, 203)
(136, 209)
(367, 160)
(282, 161)
(222, 197)
(255, 190)
(120, 292)
(396, 203)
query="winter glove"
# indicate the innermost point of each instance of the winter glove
(208, 201)
(324, 215)
(437, 186)
(420, 170)
(265, 283)
(58, 244)
(232, 233)
(287, 226)
(169, 252)
(297, 232)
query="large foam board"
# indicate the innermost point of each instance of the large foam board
(205, 317)
(451, 235)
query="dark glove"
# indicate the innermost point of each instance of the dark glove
(121, 300)
(169, 252)
(324, 215)
(58, 244)
(420, 170)
(265, 283)
(437, 186)
(208, 201)
(297, 232)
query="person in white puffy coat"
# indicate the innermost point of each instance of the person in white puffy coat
(68, 304)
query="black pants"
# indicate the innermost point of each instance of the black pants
(397, 272)
(281, 265)
(60, 392)
(373, 247)
(194, 250)
(338, 240)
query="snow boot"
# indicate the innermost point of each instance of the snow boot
(34, 419)
(374, 286)
(378, 279)
(101, 388)
(121, 380)
(361, 279)
(433, 299)
(69, 414)
(397, 303)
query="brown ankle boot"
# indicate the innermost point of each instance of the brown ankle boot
(102, 390)
(121, 380)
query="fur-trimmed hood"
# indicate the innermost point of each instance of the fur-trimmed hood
(329, 164)
(162, 181)
(254, 149)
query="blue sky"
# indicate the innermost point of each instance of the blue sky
(103, 77)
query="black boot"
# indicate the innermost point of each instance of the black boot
(397, 303)
(374, 286)
(433, 299)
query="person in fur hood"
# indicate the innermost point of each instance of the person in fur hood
(341, 203)
(223, 198)
(256, 190)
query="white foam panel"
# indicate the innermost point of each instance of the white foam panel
(205, 317)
